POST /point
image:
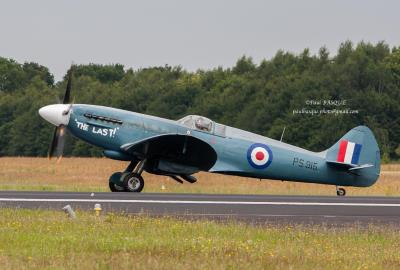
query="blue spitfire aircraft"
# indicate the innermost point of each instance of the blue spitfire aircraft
(181, 148)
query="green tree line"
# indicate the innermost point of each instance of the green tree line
(317, 98)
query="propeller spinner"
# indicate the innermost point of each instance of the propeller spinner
(58, 115)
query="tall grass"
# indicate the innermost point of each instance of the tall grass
(91, 174)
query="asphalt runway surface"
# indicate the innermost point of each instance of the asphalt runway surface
(254, 209)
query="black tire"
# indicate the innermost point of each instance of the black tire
(341, 192)
(115, 188)
(133, 182)
(115, 178)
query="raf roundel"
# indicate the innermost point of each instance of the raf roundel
(259, 156)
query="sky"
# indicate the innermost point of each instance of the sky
(201, 34)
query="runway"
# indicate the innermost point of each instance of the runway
(255, 209)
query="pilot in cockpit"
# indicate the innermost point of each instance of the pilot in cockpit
(203, 124)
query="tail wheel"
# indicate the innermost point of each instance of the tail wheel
(133, 182)
(341, 192)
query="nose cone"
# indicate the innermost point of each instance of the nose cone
(56, 114)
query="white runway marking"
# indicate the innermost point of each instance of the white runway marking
(278, 216)
(201, 202)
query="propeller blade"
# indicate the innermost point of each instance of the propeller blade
(68, 89)
(69, 108)
(57, 144)
(56, 147)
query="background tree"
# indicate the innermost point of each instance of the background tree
(261, 98)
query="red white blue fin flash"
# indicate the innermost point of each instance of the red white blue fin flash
(349, 152)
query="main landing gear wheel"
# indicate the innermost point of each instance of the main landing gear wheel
(115, 177)
(115, 188)
(129, 180)
(340, 192)
(133, 182)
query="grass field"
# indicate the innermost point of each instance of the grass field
(38, 239)
(91, 174)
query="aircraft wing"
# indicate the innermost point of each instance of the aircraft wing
(182, 149)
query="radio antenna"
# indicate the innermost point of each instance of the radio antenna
(283, 132)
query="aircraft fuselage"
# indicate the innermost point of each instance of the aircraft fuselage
(238, 152)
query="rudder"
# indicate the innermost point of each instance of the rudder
(358, 152)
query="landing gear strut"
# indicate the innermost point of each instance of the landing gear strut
(130, 180)
(340, 191)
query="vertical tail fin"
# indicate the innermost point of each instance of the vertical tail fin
(357, 151)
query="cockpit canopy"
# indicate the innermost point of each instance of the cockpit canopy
(197, 122)
(202, 123)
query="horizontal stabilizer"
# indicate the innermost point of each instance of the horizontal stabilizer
(341, 164)
(349, 166)
(361, 167)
